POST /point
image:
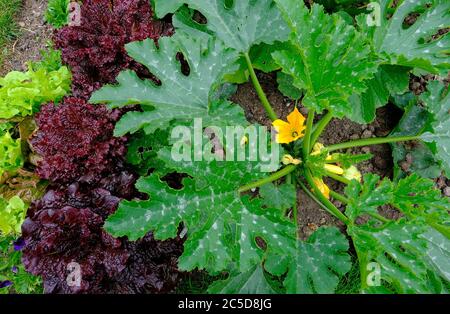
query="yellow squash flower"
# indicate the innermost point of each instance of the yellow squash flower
(323, 188)
(317, 148)
(288, 159)
(333, 168)
(292, 130)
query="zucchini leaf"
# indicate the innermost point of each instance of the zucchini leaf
(240, 24)
(327, 58)
(252, 281)
(407, 256)
(437, 101)
(180, 97)
(221, 226)
(314, 266)
(415, 46)
(280, 196)
(389, 80)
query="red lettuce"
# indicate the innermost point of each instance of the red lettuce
(65, 226)
(95, 50)
(75, 139)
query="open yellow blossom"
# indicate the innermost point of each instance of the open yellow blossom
(292, 130)
(323, 188)
(288, 159)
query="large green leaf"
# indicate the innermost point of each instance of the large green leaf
(414, 196)
(367, 197)
(437, 101)
(286, 86)
(414, 157)
(179, 97)
(438, 252)
(240, 24)
(221, 226)
(280, 196)
(400, 251)
(328, 58)
(412, 46)
(313, 266)
(252, 281)
(406, 255)
(388, 80)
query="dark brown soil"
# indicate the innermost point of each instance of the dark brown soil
(34, 34)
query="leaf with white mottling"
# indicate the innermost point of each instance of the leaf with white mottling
(401, 253)
(327, 58)
(412, 46)
(241, 25)
(314, 266)
(179, 96)
(280, 196)
(403, 249)
(252, 281)
(221, 226)
(437, 101)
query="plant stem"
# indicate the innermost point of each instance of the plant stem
(445, 230)
(330, 207)
(307, 137)
(313, 197)
(262, 96)
(338, 177)
(339, 197)
(273, 177)
(295, 209)
(320, 126)
(379, 217)
(371, 141)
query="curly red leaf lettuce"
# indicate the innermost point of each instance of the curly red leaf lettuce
(65, 226)
(95, 50)
(75, 140)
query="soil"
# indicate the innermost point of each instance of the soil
(34, 34)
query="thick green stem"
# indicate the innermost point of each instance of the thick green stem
(320, 126)
(331, 208)
(313, 197)
(273, 177)
(308, 132)
(339, 197)
(445, 230)
(370, 141)
(262, 96)
(378, 216)
(338, 177)
(295, 209)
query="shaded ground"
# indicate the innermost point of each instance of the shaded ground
(33, 36)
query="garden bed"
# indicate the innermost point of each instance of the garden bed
(361, 179)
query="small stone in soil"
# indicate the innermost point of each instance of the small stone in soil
(366, 134)
(447, 191)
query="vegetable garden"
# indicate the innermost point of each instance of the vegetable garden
(246, 146)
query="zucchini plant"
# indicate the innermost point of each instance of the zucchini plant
(336, 66)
